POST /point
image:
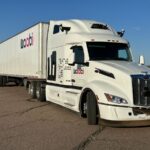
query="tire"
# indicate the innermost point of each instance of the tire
(4, 80)
(40, 92)
(19, 82)
(1, 81)
(32, 89)
(92, 109)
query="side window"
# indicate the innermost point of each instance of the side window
(56, 29)
(52, 66)
(122, 54)
(79, 54)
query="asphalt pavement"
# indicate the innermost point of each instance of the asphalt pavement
(27, 124)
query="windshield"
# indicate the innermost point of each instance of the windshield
(108, 51)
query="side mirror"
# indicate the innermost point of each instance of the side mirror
(71, 59)
(141, 60)
(67, 29)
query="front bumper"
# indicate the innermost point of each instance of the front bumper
(123, 115)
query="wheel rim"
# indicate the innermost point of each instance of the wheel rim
(38, 93)
(30, 91)
(85, 108)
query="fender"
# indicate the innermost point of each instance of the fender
(101, 87)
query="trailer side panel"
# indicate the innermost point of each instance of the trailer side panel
(22, 55)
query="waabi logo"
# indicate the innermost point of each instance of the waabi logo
(27, 42)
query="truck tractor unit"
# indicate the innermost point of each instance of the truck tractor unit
(82, 65)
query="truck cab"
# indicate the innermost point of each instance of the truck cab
(90, 70)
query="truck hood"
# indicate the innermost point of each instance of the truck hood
(126, 67)
(114, 77)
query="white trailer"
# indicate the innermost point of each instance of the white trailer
(23, 56)
(83, 65)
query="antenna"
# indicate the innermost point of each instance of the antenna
(121, 33)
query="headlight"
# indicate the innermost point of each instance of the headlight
(115, 99)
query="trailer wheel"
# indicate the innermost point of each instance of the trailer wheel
(4, 80)
(40, 92)
(92, 109)
(1, 81)
(32, 89)
(25, 83)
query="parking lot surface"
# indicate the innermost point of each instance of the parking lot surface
(27, 124)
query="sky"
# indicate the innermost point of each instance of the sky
(131, 15)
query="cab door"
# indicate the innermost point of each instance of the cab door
(79, 67)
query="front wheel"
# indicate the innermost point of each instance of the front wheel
(92, 109)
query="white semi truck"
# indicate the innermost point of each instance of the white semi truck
(83, 65)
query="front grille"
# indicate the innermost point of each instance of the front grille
(139, 111)
(141, 90)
